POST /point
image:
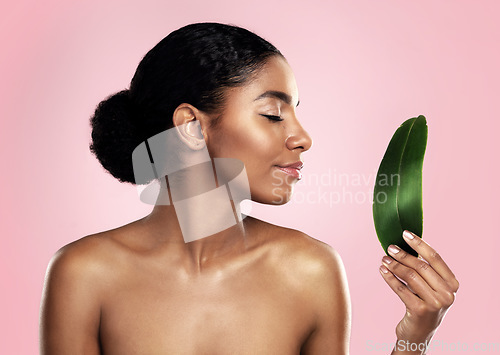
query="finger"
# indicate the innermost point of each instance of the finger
(409, 298)
(432, 257)
(428, 274)
(415, 282)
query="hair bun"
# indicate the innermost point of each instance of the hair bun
(114, 136)
(195, 64)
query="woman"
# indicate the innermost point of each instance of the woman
(251, 288)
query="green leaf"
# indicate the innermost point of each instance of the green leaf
(397, 197)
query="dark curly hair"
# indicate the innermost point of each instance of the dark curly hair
(194, 64)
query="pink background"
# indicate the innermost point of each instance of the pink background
(362, 68)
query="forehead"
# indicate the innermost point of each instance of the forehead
(276, 75)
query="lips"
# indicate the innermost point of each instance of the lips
(292, 169)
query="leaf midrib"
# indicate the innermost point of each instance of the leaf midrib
(399, 170)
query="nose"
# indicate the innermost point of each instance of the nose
(299, 138)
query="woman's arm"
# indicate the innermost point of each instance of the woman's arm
(434, 287)
(330, 296)
(70, 308)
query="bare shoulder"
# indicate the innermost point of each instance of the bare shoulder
(81, 267)
(83, 255)
(74, 288)
(309, 256)
(317, 270)
(91, 253)
(319, 266)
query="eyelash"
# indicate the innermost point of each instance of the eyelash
(273, 118)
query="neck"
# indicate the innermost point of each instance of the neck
(204, 222)
(164, 224)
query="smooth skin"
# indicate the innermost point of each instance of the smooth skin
(255, 288)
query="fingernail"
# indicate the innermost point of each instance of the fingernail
(383, 269)
(393, 249)
(408, 235)
(386, 260)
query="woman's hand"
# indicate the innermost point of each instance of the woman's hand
(428, 290)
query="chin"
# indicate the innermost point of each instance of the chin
(277, 196)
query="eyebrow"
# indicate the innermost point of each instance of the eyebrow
(280, 95)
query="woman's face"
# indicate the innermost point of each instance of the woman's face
(266, 145)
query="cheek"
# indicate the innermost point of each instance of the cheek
(252, 144)
(259, 147)
(260, 154)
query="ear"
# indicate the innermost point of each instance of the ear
(189, 123)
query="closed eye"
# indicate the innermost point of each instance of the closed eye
(273, 118)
